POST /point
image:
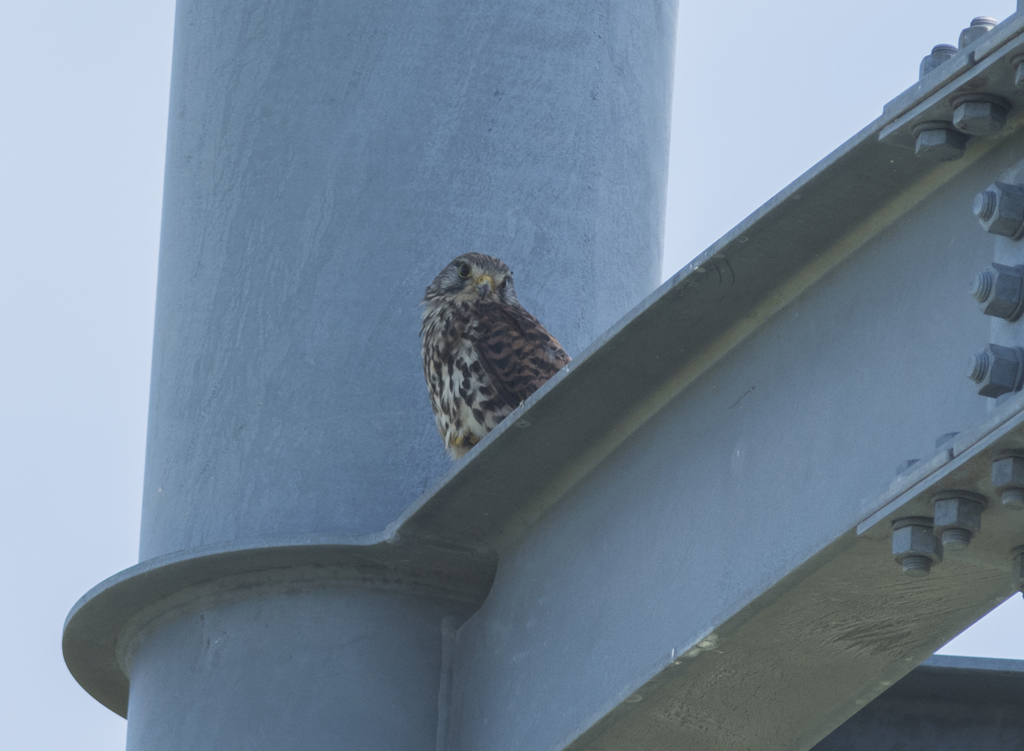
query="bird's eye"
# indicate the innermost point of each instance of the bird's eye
(504, 283)
(464, 271)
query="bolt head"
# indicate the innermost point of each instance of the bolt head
(997, 370)
(939, 142)
(999, 291)
(978, 28)
(940, 54)
(913, 539)
(958, 517)
(1008, 471)
(1000, 209)
(979, 118)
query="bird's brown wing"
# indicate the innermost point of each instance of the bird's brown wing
(516, 350)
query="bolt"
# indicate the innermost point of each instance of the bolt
(985, 205)
(1008, 479)
(1017, 567)
(980, 114)
(999, 289)
(978, 28)
(940, 54)
(1000, 209)
(997, 370)
(957, 517)
(939, 141)
(915, 546)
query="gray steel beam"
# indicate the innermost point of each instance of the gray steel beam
(683, 540)
(946, 704)
(693, 521)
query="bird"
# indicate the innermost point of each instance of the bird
(484, 354)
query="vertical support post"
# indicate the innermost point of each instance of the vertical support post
(324, 161)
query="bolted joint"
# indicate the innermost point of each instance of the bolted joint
(980, 114)
(1017, 567)
(939, 141)
(999, 291)
(998, 370)
(1008, 479)
(940, 54)
(1000, 209)
(978, 28)
(957, 518)
(915, 546)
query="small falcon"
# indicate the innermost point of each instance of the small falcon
(483, 353)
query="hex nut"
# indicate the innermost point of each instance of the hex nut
(915, 546)
(1000, 209)
(940, 54)
(978, 28)
(998, 370)
(939, 141)
(980, 114)
(1008, 479)
(957, 517)
(999, 291)
(1017, 567)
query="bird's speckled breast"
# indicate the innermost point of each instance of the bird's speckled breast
(462, 393)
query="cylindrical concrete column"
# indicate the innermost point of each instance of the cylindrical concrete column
(325, 160)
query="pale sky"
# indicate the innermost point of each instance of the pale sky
(763, 91)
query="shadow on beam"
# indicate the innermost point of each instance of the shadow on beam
(946, 703)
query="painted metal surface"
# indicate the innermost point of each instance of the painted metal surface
(324, 161)
(303, 667)
(682, 540)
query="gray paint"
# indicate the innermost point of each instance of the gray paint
(106, 623)
(762, 461)
(691, 521)
(300, 668)
(324, 161)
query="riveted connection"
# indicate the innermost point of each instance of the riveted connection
(998, 370)
(1000, 209)
(939, 141)
(957, 518)
(980, 114)
(940, 54)
(915, 546)
(999, 291)
(1017, 567)
(978, 28)
(1008, 479)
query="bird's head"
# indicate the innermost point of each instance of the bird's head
(473, 277)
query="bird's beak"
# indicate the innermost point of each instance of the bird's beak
(484, 284)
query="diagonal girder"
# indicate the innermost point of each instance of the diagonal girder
(691, 521)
